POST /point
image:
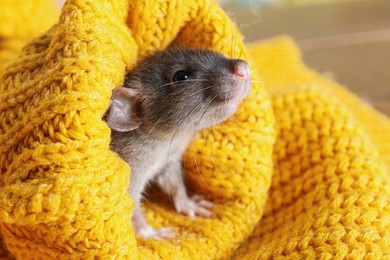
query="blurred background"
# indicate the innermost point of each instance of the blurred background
(346, 40)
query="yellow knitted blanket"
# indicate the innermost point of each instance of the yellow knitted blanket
(320, 189)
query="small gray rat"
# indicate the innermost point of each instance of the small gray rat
(164, 101)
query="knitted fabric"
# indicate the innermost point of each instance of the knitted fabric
(63, 192)
(330, 191)
(18, 25)
(20, 22)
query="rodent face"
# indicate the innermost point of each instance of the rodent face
(187, 90)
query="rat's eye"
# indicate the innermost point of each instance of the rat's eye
(181, 75)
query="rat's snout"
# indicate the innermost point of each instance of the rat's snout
(240, 78)
(231, 82)
(240, 69)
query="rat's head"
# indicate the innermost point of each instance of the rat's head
(179, 90)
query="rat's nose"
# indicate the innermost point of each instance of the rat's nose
(240, 68)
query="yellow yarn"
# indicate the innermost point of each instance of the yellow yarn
(20, 21)
(63, 192)
(330, 191)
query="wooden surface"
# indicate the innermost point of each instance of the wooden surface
(348, 40)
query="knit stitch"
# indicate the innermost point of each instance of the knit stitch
(330, 191)
(63, 192)
(20, 22)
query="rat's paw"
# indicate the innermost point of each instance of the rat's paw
(150, 232)
(193, 206)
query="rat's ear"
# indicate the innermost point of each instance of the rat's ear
(122, 115)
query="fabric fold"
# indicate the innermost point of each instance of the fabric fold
(63, 191)
(300, 173)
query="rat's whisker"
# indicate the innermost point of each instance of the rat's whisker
(232, 46)
(196, 92)
(197, 129)
(234, 119)
(200, 90)
(170, 55)
(225, 135)
(212, 155)
(235, 33)
(180, 123)
(244, 102)
(177, 82)
(234, 20)
(197, 166)
(241, 51)
(199, 171)
(188, 117)
(233, 116)
(257, 81)
(207, 107)
(154, 125)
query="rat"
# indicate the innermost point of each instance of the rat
(164, 101)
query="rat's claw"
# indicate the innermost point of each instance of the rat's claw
(202, 202)
(150, 232)
(201, 211)
(165, 233)
(194, 206)
(189, 212)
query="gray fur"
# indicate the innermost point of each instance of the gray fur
(170, 114)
